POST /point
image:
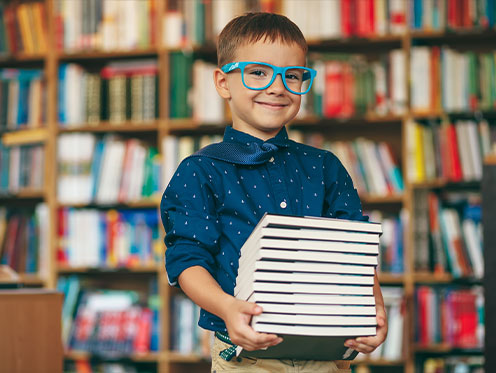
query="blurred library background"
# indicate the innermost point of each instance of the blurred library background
(101, 99)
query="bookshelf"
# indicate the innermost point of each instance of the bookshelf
(93, 53)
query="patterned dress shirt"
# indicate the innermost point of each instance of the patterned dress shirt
(213, 202)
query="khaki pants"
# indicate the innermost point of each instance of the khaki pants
(253, 365)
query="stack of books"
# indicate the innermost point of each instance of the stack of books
(313, 278)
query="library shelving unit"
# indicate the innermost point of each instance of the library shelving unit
(390, 127)
(489, 214)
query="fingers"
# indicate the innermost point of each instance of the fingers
(367, 345)
(257, 341)
(364, 344)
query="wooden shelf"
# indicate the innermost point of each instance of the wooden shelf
(113, 127)
(190, 124)
(458, 35)
(152, 268)
(379, 362)
(32, 279)
(366, 120)
(444, 278)
(453, 114)
(147, 203)
(372, 199)
(431, 278)
(22, 57)
(391, 278)
(445, 184)
(151, 357)
(24, 194)
(490, 159)
(25, 136)
(445, 349)
(354, 43)
(99, 55)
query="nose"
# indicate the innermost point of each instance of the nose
(277, 86)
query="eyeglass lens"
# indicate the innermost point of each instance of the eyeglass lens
(259, 76)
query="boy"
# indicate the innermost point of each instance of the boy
(218, 195)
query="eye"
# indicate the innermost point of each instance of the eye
(258, 73)
(293, 75)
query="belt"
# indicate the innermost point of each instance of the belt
(228, 353)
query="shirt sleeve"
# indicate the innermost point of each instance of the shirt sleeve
(191, 225)
(341, 197)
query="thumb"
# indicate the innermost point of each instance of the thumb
(251, 308)
(381, 321)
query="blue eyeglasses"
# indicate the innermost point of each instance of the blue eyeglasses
(259, 76)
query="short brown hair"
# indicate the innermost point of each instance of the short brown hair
(252, 27)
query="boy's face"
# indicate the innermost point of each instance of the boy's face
(261, 113)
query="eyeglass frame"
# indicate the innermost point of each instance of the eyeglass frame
(229, 67)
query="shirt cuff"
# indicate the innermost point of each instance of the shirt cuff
(184, 255)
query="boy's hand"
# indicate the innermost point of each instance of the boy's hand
(237, 318)
(368, 344)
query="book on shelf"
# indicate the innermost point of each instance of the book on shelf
(449, 151)
(23, 28)
(105, 25)
(22, 97)
(120, 92)
(24, 242)
(310, 295)
(373, 166)
(451, 316)
(111, 323)
(108, 239)
(352, 85)
(99, 169)
(391, 255)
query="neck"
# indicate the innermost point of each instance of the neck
(262, 135)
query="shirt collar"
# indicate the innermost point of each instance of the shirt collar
(234, 136)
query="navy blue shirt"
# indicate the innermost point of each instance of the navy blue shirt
(211, 205)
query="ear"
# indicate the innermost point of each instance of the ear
(221, 85)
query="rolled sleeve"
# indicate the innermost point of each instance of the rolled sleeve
(191, 225)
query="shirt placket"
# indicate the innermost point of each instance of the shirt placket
(279, 188)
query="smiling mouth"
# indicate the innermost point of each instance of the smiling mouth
(271, 105)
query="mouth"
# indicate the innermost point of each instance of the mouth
(271, 105)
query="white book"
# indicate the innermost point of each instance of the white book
(169, 159)
(320, 320)
(474, 149)
(392, 349)
(334, 299)
(309, 234)
(398, 81)
(463, 149)
(310, 256)
(315, 330)
(474, 247)
(315, 245)
(316, 222)
(320, 309)
(330, 19)
(420, 78)
(301, 266)
(318, 278)
(246, 290)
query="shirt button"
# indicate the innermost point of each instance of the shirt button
(271, 159)
(283, 205)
